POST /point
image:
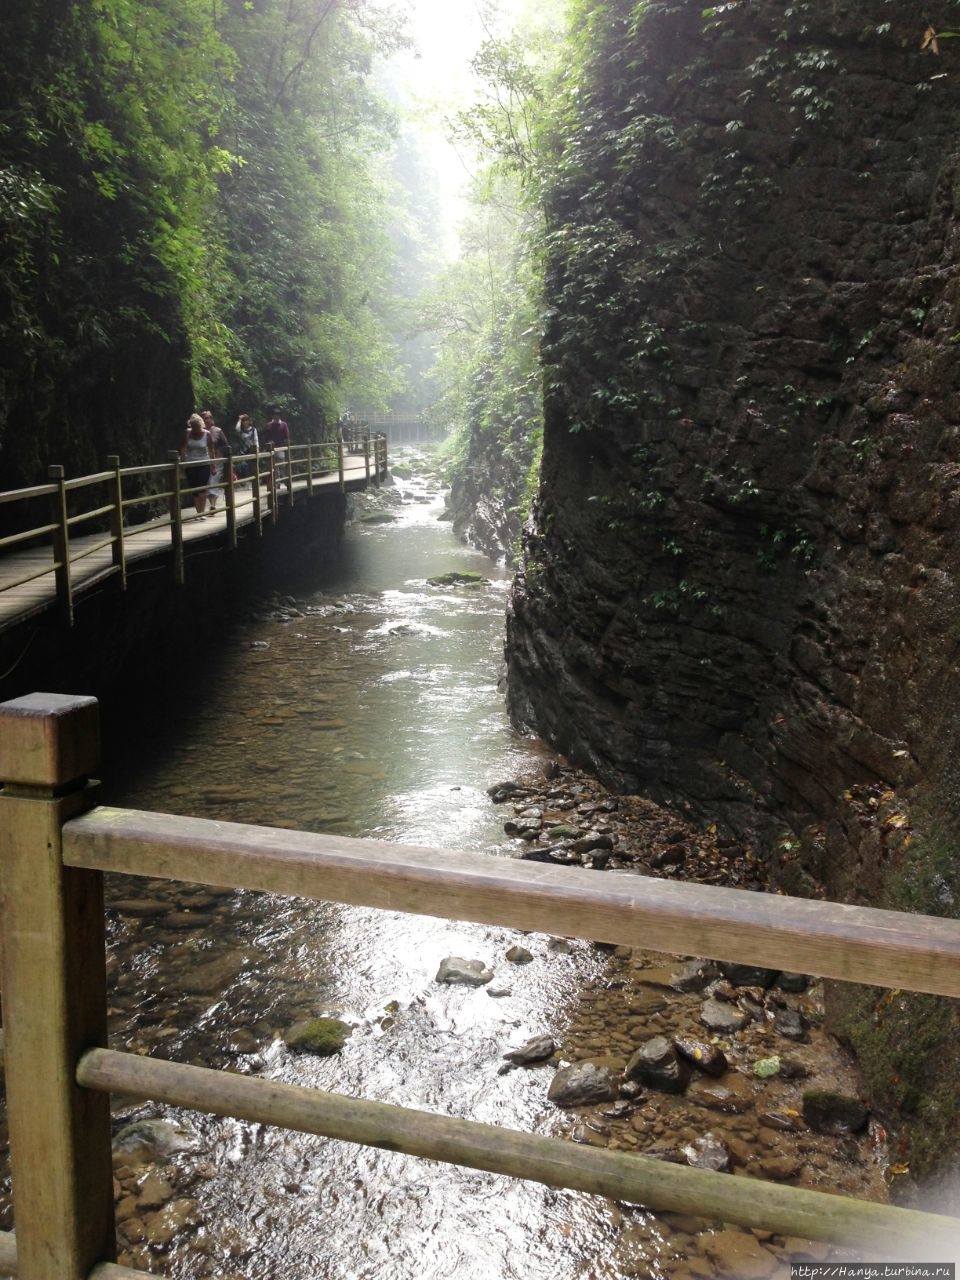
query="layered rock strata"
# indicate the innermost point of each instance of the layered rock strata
(739, 587)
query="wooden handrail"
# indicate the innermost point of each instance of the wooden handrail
(303, 467)
(828, 939)
(26, 495)
(55, 849)
(638, 1179)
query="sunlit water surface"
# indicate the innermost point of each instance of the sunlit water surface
(376, 714)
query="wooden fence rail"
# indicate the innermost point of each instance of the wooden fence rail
(110, 511)
(56, 845)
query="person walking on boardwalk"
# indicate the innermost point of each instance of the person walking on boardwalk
(277, 436)
(218, 446)
(197, 452)
(247, 442)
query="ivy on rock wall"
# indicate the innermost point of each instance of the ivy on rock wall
(739, 591)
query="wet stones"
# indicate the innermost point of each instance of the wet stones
(745, 975)
(658, 1065)
(709, 1058)
(536, 1049)
(457, 578)
(833, 1113)
(724, 1018)
(457, 970)
(708, 1152)
(320, 1036)
(789, 1023)
(733, 1095)
(582, 1085)
(146, 1141)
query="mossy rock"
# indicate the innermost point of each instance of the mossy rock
(835, 1113)
(377, 517)
(454, 579)
(321, 1036)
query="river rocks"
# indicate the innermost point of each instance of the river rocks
(738, 1255)
(502, 791)
(319, 1036)
(646, 1003)
(154, 1193)
(456, 970)
(733, 1095)
(525, 828)
(833, 1112)
(746, 975)
(707, 1057)
(146, 1141)
(376, 517)
(519, 955)
(457, 578)
(658, 1065)
(213, 976)
(722, 1017)
(143, 908)
(161, 1228)
(582, 1085)
(674, 855)
(536, 1049)
(591, 841)
(789, 1023)
(793, 982)
(708, 1152)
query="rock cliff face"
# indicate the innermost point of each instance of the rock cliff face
(739, 588)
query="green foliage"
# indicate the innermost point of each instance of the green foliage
(190, 212)
(488, 308)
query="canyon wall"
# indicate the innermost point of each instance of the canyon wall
(739, 586)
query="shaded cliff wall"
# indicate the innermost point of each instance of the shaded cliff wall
(739, 588)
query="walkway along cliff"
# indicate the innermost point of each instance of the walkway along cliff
(149, 587)
(739, 587)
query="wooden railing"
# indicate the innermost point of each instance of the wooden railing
(57, 844)
(110, 510)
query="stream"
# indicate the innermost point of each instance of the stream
(368, 706)
(373, 713)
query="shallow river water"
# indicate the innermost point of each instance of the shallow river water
(376, 713)
(369, 706)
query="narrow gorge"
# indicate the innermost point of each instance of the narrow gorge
(738, 586)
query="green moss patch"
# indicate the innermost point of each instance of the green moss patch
(321, 1036)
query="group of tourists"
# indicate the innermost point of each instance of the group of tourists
(204, 452)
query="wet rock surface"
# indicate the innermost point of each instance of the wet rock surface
(683, 1038)
(697, 1098)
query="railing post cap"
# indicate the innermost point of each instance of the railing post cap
(48, 739)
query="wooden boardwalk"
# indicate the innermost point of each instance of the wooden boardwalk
(92, 556)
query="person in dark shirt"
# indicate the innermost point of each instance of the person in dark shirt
(277, 436)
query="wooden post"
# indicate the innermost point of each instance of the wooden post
(54, 991)
(231, 500)
(288, 468)
(272, 485)
(61, 546)
(255, 489)
(340, 452)
(310, 470)
(176, 519)
(117, 550)
(366, 454)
